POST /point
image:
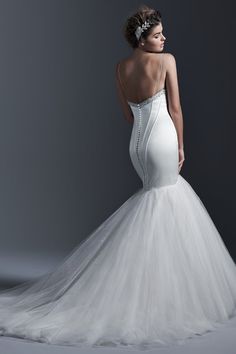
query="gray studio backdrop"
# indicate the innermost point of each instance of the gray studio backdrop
(65, 165)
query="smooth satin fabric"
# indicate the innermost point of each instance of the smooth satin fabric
(154, 144)
(154, 273)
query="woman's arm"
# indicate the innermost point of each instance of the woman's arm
(174, 105)
(124, 104)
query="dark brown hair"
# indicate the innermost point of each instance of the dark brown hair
(143, 14)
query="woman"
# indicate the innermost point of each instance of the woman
(146, 72)
(156, 271)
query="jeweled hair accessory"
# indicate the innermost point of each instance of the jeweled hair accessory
(142, 28)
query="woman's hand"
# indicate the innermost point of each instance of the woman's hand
(181, 158)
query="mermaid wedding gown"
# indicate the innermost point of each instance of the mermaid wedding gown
(154, 272)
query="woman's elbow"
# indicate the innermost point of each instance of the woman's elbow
(175, 110)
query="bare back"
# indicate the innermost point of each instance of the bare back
(141, 78)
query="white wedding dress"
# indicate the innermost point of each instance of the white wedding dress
(155, 272)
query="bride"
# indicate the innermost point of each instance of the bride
(156, 271)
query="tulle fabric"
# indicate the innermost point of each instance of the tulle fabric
(156, 272)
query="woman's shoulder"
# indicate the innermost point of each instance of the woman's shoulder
(123, 61)
(167, 59)
(170, 58)
(168, 55)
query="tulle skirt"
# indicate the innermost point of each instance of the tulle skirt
(154, 273)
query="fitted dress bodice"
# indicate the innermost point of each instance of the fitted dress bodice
(153, 144)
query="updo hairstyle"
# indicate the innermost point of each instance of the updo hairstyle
(143, 14)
